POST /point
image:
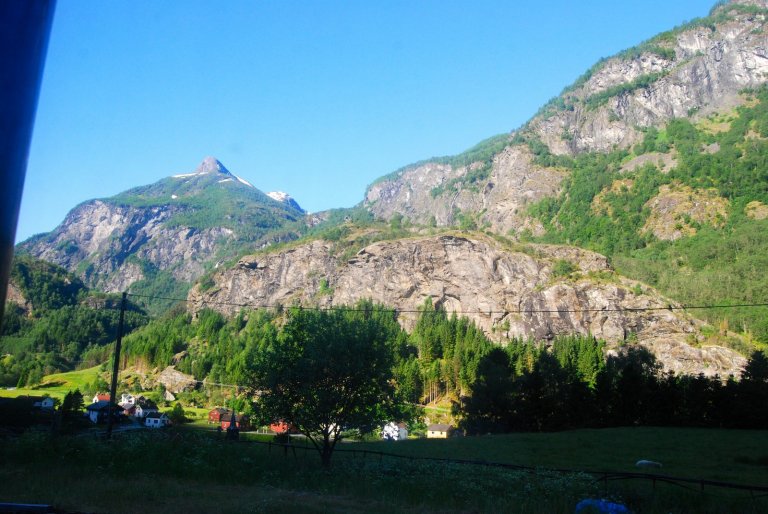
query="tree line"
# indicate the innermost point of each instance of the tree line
(628, 390)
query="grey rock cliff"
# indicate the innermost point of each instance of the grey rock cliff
(508, 293)
(15, 295)
(514, 182)
(711, 64)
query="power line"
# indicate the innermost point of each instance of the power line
(207, 383)
(668, 307)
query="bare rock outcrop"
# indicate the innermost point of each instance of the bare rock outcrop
(702, 69)
(507, 292)
(175, 381)
(677, 207)
(514, 181)
(15, 295)
(756, 210)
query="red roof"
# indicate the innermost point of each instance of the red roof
(102, 397)
(281, 427)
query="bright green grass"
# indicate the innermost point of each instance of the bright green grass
(56, 385)
(193, 413)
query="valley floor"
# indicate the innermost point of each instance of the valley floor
(193, 471)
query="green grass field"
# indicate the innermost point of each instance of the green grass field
(56, 385)
(196, 471)
(725, 455)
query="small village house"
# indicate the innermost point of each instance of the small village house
(156, 420)
(144, 407)
(99, 412)
(242, 422)
(128, 403)
(21, 412)
(439, 431)
(215, 416)
(394, 432)
(100, 397)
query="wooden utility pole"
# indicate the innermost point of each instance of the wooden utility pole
(116, 367)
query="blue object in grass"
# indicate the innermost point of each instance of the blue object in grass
(600, 506)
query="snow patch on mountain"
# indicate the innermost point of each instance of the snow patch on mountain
(279, 196)
(244, 181)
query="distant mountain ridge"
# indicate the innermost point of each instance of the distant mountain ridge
(694, 70)
(161, 237)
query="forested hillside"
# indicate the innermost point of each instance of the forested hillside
(524, 385)
(684, 211)
(439, 358)
(63, 325)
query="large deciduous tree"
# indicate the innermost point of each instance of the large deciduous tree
(327, 371)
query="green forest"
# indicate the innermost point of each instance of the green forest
(522, 385)
(66, 327)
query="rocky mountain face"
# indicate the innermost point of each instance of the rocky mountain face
(698, 68)
(176, 229)
(513, 182)
(508, 292)
(691, 71)
(16, 296)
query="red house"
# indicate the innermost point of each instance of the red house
(218, 414)
(241, 421)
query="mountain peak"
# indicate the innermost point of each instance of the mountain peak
(211, 165)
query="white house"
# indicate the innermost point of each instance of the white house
(439, 431)
(394, 432)
(127, 399)
(144, 408)
(43, 403)
(156, 420)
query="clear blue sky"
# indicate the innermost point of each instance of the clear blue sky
(314, 98)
